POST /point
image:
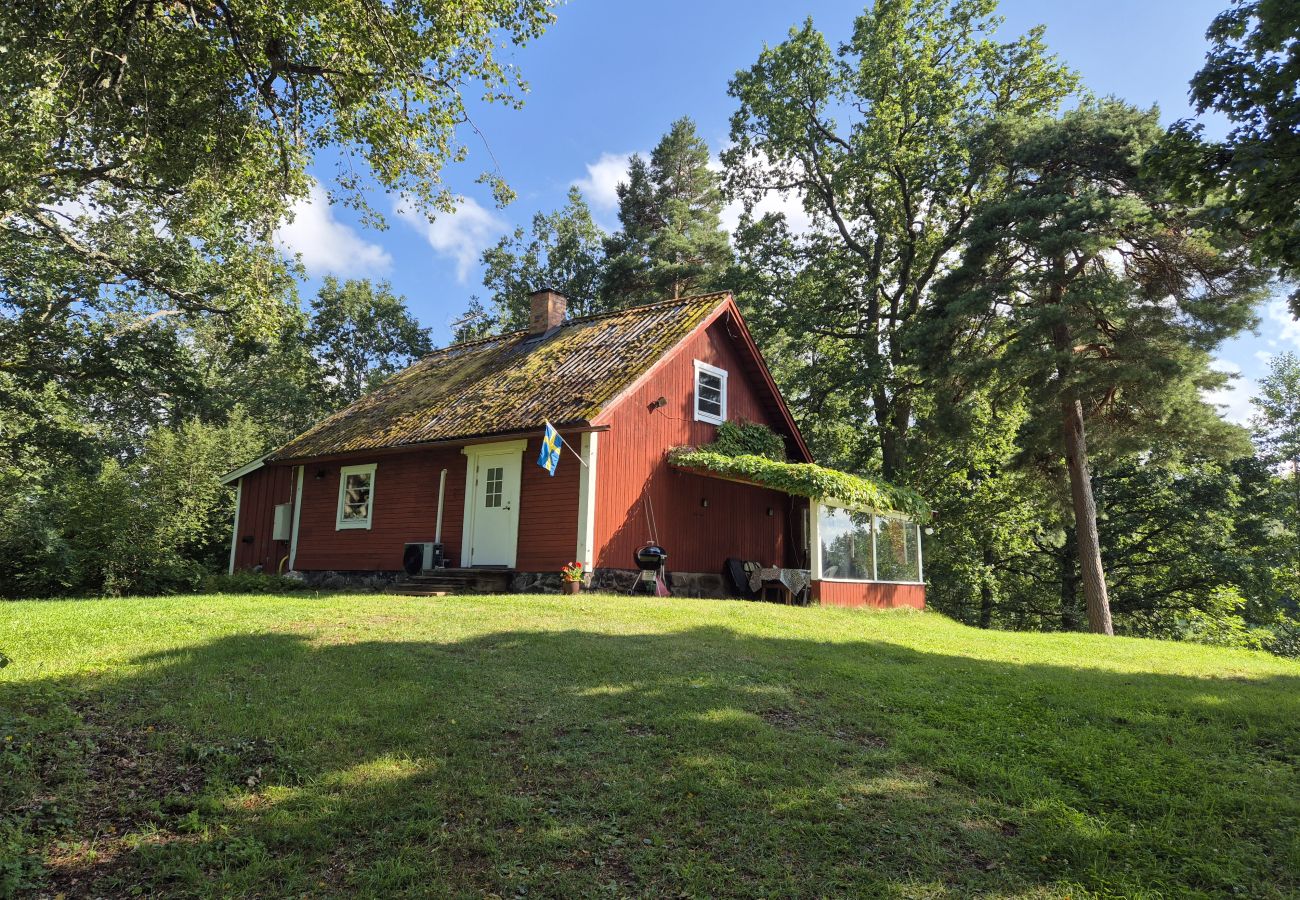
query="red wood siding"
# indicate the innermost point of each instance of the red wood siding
(633, 472)
(873, 594)
(405, 511)
(259, 493)
(548, 509)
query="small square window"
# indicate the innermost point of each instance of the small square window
(356, 496)
(492, 487)
(710, 393)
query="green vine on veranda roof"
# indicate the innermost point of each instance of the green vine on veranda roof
(800, 479)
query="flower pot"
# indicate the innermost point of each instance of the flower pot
(571, 587)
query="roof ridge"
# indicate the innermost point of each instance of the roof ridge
(658, 304)
(640, 307)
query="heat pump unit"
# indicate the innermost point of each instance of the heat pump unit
(418, 557)
(283, 522)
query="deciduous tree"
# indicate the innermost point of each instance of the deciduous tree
(1250, 78)
(883, 141)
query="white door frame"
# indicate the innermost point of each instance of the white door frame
(587, 503)
(472, 454)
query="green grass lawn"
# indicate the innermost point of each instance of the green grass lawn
(599, 745)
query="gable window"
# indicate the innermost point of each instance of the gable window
(356, 496)
(710, 393)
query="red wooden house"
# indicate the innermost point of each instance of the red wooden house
(444, 453)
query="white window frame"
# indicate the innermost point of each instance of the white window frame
(721, 374)
(815, 541)
(340, 524)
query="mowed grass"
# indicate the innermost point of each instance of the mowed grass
(601, 745)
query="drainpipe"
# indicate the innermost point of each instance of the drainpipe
(442, 489)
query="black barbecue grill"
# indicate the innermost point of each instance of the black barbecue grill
(651, 557)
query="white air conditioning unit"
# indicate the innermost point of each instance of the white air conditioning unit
(283, 522)
(425, 549)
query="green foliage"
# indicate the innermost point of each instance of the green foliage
(251, 583)
(155, 524)
(152, 150)
(565, 251)
(1249, 78)
(889, 178)
(804, 480)
(362, 333)
(741, 438)
(1277, 421)
(1089, 283)
(671, 242)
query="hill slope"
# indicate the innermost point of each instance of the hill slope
(370, 745)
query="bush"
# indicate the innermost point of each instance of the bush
(155, 525)
(251, 583)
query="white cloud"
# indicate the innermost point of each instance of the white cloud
(462, 235)
(789, 203)
(600, 187)
(1233, 399)
(1279, 324)
(326, 245)
(772, 202)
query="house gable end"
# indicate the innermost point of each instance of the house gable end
(722, 340)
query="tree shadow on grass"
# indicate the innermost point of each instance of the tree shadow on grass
(701, 762)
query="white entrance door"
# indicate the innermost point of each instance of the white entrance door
(492, 513)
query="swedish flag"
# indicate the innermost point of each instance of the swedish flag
(551, 444)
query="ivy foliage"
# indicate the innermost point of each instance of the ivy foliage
(742, 438)
(754, 452)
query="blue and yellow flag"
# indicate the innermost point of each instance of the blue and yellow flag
(551, 444)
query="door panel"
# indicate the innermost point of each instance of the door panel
(495, 528)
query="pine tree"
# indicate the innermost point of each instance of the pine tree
(689, 251)
(671, 242)
(1100, 292)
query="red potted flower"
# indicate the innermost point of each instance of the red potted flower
(571, 577)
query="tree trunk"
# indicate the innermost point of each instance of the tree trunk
(1068, 580)
(1085, 517)
(986, 590)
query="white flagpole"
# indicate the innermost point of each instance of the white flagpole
(564, 443)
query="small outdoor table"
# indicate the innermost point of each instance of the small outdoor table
(787, 583)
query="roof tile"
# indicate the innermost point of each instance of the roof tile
(510, 383)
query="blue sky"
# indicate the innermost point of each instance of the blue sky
(608, 78)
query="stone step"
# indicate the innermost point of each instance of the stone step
(443, 582)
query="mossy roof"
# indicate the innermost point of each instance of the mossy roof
(509, 383)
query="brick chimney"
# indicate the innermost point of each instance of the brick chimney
(546, 310)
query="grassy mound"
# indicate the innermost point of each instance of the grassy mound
(598, 745)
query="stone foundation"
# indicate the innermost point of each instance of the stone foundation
(535, 583)
(614, 581)
(336, 581)
(682, 584)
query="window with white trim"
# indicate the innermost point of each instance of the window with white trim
(356, 496)
(710, 393)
